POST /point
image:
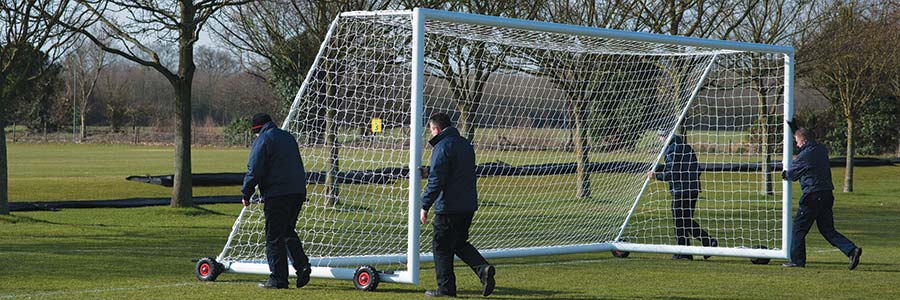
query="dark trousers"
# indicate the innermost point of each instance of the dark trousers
(816, 207)
(683, 213)
(451, 236)
(281, 237)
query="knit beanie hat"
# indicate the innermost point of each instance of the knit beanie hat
(259, 120)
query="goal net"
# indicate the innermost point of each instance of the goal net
(566, 122)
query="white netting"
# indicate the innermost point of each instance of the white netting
(564, 129)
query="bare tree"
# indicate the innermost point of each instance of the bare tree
(280, 38)
(571, 72)
(850, 57)
(28, 27)
(85, 64)
(169, 22)
(697, 18)
(467, 64)
(213, 66)
(775, 22)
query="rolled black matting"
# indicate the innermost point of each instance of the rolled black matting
(498, 168)
(119, 203)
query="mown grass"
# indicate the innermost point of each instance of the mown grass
(53, 172)
(144, 253)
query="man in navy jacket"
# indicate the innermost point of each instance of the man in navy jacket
(276, 167)
(814, 172)
(452, 193)
(683, 175)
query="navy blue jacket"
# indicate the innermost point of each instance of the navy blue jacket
(274, 164)
(682, 170)
(451, 179)
(812, 168)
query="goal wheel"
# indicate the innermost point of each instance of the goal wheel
(760, 261)
(620, 254)
(208, 269)
(366, 278)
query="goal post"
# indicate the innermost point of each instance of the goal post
(564, 120)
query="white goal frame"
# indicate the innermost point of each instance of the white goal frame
(344, 267)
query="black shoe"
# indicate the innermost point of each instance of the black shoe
(712, 243)
(792, 265)
(682, 257)
(303, 277)
(854, 257)
(487, 282)
(436, 293)
(269, 285)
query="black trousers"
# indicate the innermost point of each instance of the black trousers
(816, 207)
(451, 236)
(683, 213)
(281, 237)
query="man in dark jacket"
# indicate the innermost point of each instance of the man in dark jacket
(683, 175)
(451, 191)
(275, 165)
(814, 172)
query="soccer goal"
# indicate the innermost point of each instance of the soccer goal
(566, 123)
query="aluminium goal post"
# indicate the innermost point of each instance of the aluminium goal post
(563, 119)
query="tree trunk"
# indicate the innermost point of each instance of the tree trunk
(332, 187)
(83, 125)
(848, 172)
(582, 154)
(4, 179)
(183, 185)
(466, 123)
(764, 140)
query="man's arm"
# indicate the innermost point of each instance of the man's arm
(257, 167)
(437, 177)
(797, 168)
(666, 174)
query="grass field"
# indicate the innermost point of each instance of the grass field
(144, 253)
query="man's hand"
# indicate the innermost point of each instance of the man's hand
(424, 216)
(423, 170)
(792, 126)
(784, 175)
(245, 202)
(651, 174)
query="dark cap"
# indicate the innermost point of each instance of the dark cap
(258, 121)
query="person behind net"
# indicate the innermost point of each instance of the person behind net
(275, 165)
(682, 172)
(451, 191)
(813, 171)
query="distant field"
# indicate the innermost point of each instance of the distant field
(52, 172)
(144, 253)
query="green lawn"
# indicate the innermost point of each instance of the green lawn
(41, 172)
(144, 253)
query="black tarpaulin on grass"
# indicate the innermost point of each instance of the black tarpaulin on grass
(119, 203)
(498, 168)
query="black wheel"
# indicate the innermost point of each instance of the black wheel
(760, 261)
(620, 254)
(208, 269)
(365, 278)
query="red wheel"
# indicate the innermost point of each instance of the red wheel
(620, 254)
(363, 279)
(366, 278)
(204, 269)
(208, 269)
